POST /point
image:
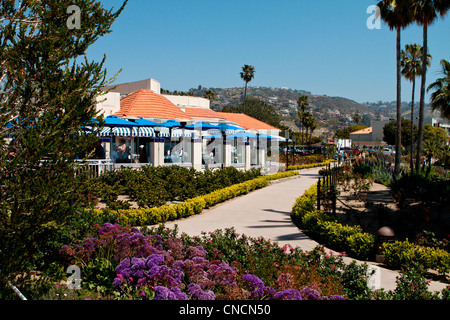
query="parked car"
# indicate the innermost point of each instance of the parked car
(302, 151)
(388, 150)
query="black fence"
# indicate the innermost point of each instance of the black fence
(326, 188)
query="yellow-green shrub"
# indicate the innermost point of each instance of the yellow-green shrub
(404, 254)
(312, 165)
(326, 229)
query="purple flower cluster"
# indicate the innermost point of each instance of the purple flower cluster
(163, 293)
(260, 291)
(290, 294)
(168, 276)
(257, 288)
(197, 293)
(114, 242)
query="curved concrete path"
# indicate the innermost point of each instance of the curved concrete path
(266, 212)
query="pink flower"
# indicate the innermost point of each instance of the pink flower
(143, 293)
(119, 276)
(327, 256)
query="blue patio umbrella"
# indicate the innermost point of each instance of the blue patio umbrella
(202, 125)
(226, 126)
(243, 134)
(141, 122)
(114, 121)
(171, 124)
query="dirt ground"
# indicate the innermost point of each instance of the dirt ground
(380, 210)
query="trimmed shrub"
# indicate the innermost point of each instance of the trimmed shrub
(312, 165)
(326, 229)
(403, 253)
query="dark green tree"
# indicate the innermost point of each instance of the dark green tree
(48, 89)
(390, 129)
(258, 109)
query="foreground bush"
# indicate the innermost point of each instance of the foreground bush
(121, 262)
(157, 264)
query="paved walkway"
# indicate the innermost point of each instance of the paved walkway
(266, 212)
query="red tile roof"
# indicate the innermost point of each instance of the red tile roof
(203, 113)
(363, 131)
(147, 104)
(246, 122)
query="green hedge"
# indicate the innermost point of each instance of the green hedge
(405, 254)
(312, 165)
(151, 216)
(327, 230)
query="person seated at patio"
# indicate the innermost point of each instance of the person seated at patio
(143, 154)
(99, 151)
(114, 154)
(122, 149)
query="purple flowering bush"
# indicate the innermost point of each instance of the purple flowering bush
(157, 264)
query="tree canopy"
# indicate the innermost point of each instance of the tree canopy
(257, 109)
(48, 90)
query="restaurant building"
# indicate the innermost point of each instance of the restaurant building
(185, 131)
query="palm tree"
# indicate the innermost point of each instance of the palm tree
(310, 124)
(210, 95)
(411, 61)
(302, 103)
(247, 74)
(397, 16)
(425, 13)
(440, 98)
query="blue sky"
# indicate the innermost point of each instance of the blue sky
(321, 46)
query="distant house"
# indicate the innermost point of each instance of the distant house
(365, 138)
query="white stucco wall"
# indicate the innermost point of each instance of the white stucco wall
(108, 103)
(188, 101)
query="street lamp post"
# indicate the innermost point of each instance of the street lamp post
(286, 135)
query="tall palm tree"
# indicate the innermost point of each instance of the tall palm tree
(247, 74)
(310, 124)
(302, 103)
(397, 15)
(440, 98)
(411, 62)
(425, 13)
(210, 95)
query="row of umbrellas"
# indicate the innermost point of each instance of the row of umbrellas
(114, 121)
